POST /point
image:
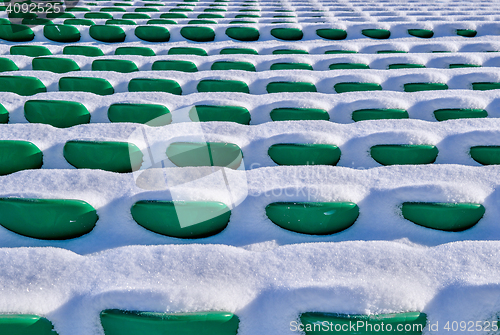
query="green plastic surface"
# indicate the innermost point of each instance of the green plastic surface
(99, 15)
(243, 33)
(161, 21)
(140, 113)
(443, 216)
(136, 16)
(187, 51)
(238, 51)
(356, 87)
(116, 65)
(459, 66)
(205, 154)
(7, 65)
(47, 219)
(121, 157)
(288, 86)
(202, 22)
(291, 66)
(61, 33)
(287, 34)
(422, 33)
(173, 16)
(313, 218)
(152, 33)
(486, 155)
(198, 34)
(210, 16)
(348, 66)
(209, 85)
(154, 85)
(224, 65)
(30, 50)
(417, 87)
(174, 65)
(466, 32)
(404, 154)
(108, 34)
(304, 154)
(19, 155)
(83, 50)
(484, 86)
(79, 22)
(60, 15)
(139, 51)
(405, 66)
(332, 34)
(379, 34)
(293, 114)
(16, 33)
(391, 52)
(54, 64)
(57, 113)
(120, 22)
(206, 113)
(413, 322)
(117, 322)
(4, 114)
(21, 85)
(379, 114)
(86, 84)
(25, 324)
(459, 113)
(182, 219)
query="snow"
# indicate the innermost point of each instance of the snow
(264, 274)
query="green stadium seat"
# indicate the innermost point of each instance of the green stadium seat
(459, 113)
(46, 219)
(137, 51)
(222, 154)
(293, 114)
(332, 34)
(313, 218)
(106, 33)
(30, 50)
(207, 113)
(198, 34)
(97, 86)
(82, 50)
(379, 114)
(243, 33)
(24, 324)
(153, 115)
(120, 22)
(289, 86)
(238, 51)
(405, 66)
(486, 155)
(54, 64)
(154, 85)
(61, 33)
(417, 87)
(117, 322)
(152, 33)
(21, 85)
(356, 87)
(225, 65)
(291, 66)
(287, 34)
(348, 66)
(304, 154)
(57, 113)
(404, 154)
(16, 33)
(379, 34)
(209, 85)
(186, 219)
(466, 32)
(79, 22)
(443, 216)
(174, 65)
(485, 86)
(187, 51)
(422, 33)
(120, 157)
(7, 65)
(98, 15)
(115, 65)
(19, 155)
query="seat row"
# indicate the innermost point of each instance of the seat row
(64, 65)
(123, 157)
(122, 322)
(27, 86)
(93, 51)
(65, 114)
(63, 219)
(67, 33)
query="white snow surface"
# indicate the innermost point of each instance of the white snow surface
(264, 274)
